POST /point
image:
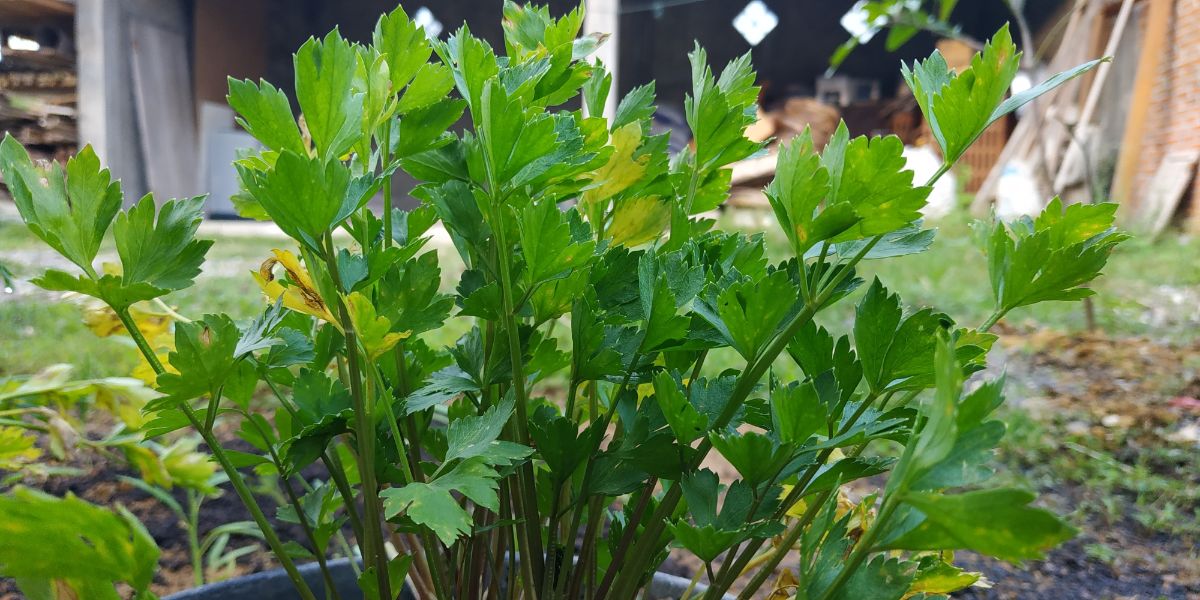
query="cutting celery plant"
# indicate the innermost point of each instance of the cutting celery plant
(615, 338)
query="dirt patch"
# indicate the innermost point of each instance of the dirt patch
(99, 484)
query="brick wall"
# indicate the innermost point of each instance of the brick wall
(1173, 122)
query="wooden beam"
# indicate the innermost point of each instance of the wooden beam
(31, 10)
(1158, 27)
(1097, 87)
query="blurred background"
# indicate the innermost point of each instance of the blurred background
(1104, 399)
(144, 81)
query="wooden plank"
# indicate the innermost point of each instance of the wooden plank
(1171, 181)
(1097, 86)
(165, 112)
(1032, 130)
(27, 10)
(1158, 26)
(753, 169)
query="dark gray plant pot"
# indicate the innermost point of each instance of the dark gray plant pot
(275, 585)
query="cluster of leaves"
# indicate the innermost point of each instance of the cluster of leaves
(52, 406)
(471, 456)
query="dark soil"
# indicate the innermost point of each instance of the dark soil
(1069, 572)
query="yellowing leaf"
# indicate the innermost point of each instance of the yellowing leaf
(125, 398)
(146, 373)
(104, 322)
(374, 332)
(938, 575)
(638, 221)
(785, 586)
(149, 466)
(622, 169)
(16, 448)
(300, 295)
(187, 467)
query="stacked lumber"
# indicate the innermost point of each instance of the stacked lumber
(1055, 139)
(38, 85)
(779, 125)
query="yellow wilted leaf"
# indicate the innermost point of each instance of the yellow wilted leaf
(149, 466)
(125, 398)
(144, 372)
(17, 448)
(104, 322)
(301, 295)
(187, 467)
(942, 577)
(622, 169)
(785, 586)
(638, 220)
(863, 512)
(374, 331)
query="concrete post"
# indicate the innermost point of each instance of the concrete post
(604, 16)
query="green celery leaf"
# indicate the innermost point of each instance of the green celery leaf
(1053, 257)
(403, 44)
(410, 298)
(686, 423)
(425, 129)
(936, 439)
(755, 456)
(707, 542)
(333, 109)
(307, 197)
(752, 312)
(108, 288)
(431, 504)
(635, 107)
(513, 138)
(897, 350)
(800, 185)
(430, 86)
(881, 578)
(70, 210)
(959, 107)
(719, 111)
(161, 251)
(265, 112)
(551, 246)
(472, 436)
(998, 523)
(203, 356)
(870, 176)
(663, 324)
(797, 412)
(77, 548)
(907, 240)
(473, 62)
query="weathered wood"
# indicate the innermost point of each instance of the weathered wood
(26, 10)
(1158, 25)
(165, 112)
(1171, 180)
(1093, 97)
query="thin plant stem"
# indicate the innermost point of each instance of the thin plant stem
(527, 498)
(336, 471)
(365, 434)
(193, 535)
(294, 499)
(235, 476)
